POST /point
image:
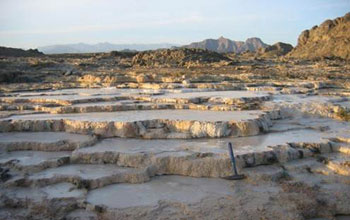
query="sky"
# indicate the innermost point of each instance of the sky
(34, 23)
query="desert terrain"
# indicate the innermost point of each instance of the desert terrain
(144, 135)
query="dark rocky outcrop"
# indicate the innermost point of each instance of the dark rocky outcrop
(275, 50)
(329, 40)
(14, 52)
(224, 45)
(123, 53)
(177, 57)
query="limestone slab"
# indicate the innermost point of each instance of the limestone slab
(170, 188)
(90, 175)
(131, 116)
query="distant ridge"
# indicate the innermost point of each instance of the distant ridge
(225, 45)
(221, 45)
(100, 47)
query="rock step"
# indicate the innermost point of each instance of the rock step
(171, 188)
(216, 97)
(162, 191)
(148, 124)
(342, 148)
(86, 176)
(13, 213)
(82, 214)
(72, 92)
(127, 201)
(302, 165)
(44, 141)
(199, 158)
(329, 174)
(312, 165)
(32, 161)
(263, 173)
(53, 200)
(113, 107)
(15, 107)
(340, 164)
(61, 100)
(315, 165)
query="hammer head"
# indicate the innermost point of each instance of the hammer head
(234, 177)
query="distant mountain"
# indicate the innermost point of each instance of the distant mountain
(100, 47)
(224, 45)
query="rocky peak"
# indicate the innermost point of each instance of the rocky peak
(328, 40)
(225, 45)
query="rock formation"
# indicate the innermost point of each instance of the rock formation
(14, 52)
(224, 45)
(177, 57)
(278, 49)
(329, 40)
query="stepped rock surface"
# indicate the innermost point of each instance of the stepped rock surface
(331, 39)
(144, 135)
(146, 163)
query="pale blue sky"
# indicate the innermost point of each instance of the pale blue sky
(33, 23)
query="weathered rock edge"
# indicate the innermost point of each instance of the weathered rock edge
(197, 164)
(149, 129)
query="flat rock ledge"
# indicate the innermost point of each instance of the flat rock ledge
(148, 129)
(44, 141)
(195, 164)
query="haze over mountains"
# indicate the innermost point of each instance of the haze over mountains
(100, 47)
(221, 45)
(329, 39)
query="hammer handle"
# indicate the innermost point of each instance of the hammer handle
(233, 161)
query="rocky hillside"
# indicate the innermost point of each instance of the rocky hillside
(329, 40)
(275, 50)
(14, 52)
(224, 45)
(177, 57)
